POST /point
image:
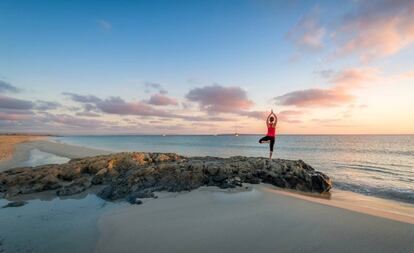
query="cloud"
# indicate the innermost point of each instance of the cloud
(216, 99)
(46, 105)
(14, 103)
(325, 73)
(116, 105)
(409, 74)
(374, 29)
(354, 78)
(82, 98)
(308, 33)
(159, 99)
(254, 114)
(314, 97)
(105, 25)
(78, 122)
(205, 118)
(325, 120)
(154, 86)
(7, 87)
(14, 116)
(369, 29)
(290, 112)
(344, 82)
(88, 114)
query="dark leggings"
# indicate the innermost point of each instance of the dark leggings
(269, 138)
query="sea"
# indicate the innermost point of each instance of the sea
(375, 165)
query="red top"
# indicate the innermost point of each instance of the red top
(271, 131)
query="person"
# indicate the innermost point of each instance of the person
(271, 122)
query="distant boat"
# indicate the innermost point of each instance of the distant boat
(164, 135)
(236, 134)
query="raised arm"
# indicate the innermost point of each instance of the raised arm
(275, 117)
(275, 121)
(268, 118)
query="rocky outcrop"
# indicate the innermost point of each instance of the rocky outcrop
(137, 175)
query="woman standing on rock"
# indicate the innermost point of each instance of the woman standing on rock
(271, 122)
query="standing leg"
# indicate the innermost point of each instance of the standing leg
(271, 145)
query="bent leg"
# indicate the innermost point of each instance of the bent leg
(264, 139)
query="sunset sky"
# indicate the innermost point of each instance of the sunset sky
(200, 67)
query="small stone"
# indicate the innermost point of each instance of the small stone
(15, 204)
(134, 201)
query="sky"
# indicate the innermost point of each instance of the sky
(206, 67)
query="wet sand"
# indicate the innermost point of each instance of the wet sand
(258, 220)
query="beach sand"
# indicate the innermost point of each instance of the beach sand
(19, 149)
(9, 142)
(258, 220)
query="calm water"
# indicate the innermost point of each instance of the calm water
(370, 164)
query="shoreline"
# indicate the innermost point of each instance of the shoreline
(9, 143)
(21, 151)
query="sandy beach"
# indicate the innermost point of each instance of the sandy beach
(8, 144)
(16, 149)
(254, 218)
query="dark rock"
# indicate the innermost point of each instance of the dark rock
(15, 204)
(77, 186)
(137, 175)
(133, 201)
(49, 182)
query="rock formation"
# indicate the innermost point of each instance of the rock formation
(137, 175)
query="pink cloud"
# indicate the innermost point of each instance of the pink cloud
(376, 29)
(116, 105)
(344, 82)
(290, 116)
(216, 98)
(159, 99)
(314, 97)
(354, 78)
(254, 114)
(290, 112)
(14, 116)
(88, 114)
(308, 33)
(70, 120)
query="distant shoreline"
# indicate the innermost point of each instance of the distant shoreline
(15, 149)
(8, 144)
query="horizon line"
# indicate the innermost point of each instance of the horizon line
(203, 134)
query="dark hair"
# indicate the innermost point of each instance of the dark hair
(271, 119)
